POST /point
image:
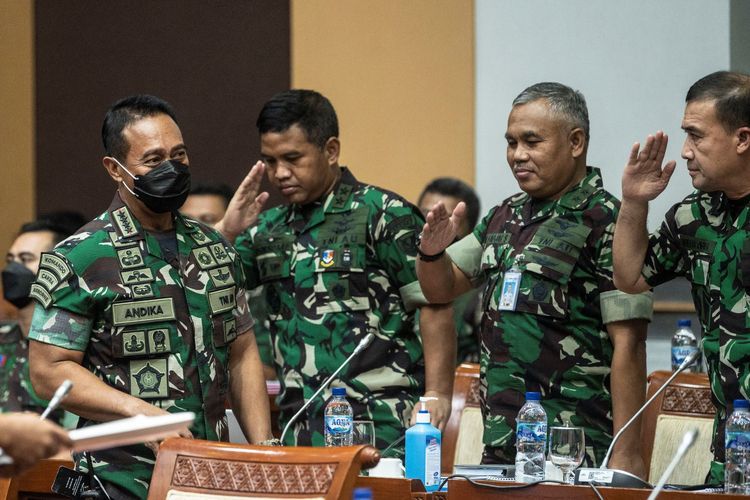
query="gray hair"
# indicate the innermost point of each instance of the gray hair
(567, 103)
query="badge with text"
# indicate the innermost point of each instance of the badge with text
(511, 287)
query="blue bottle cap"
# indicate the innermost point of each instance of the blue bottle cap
(339, 391)
(742, 403)
(533, 396)
(362, 494)
(683, 322)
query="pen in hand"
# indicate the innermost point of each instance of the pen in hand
(57, 398)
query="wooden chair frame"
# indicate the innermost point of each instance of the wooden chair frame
(465, 393)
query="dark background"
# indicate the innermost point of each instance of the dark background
(215, 62)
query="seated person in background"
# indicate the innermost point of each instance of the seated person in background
(705, 237)
(336, 264)
(552, 321)
(21, 266)
(466, 308)
(26, 439)
(145, 310)
(207, 203)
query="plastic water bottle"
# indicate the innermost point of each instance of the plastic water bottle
(338, 419)
(737, 466)
(684, 344)
(531, 439)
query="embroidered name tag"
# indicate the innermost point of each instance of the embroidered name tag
(142, 311)
(222, 300)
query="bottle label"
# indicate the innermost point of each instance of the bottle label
(738, 441)
(431, 462)
(531, 432)
(679, 353)
(338, 424)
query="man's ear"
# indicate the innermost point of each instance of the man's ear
(332, 149)
(577, 138)
(112, 168)
(743, 140)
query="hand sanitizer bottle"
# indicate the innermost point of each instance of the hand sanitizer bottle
(423, 450)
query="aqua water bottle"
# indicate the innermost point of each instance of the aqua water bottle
(423, 450)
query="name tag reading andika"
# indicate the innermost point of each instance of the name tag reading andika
(511, 286)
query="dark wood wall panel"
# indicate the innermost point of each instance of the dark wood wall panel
(215, 62)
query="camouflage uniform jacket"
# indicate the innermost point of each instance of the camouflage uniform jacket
(16, 393)
(703, 242)
(332, 272)
(155, 329)
(555, 341)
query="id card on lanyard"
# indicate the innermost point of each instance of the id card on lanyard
(511, 286)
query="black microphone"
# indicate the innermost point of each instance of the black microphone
(687, 441)
(621, 478)
(360, 347)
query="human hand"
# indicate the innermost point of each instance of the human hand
(439, 408)
(644, 178)
(441, 228)
(245, 206)
(27, 439)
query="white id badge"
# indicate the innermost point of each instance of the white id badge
(511, 286)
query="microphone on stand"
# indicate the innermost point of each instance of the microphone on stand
(687, 441)
(360, 347)
(614, 477)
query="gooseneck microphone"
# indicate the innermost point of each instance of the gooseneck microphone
(617, 477)
(360, 347)
(687, 441)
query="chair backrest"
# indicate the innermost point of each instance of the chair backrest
(193, 468)
(462, 437)
(684, 404)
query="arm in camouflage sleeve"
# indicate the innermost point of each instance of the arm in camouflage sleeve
(248, 389)
(90, 397)
(643, 180)
(628, 386)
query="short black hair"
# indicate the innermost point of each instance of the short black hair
(61, 224)
(222, 190)
(730, 92)
(123, 113)
(308, 109)
(450, 186)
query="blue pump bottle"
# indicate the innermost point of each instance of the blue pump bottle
(423, 450)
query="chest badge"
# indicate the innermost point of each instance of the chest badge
(326, 258)
(148, 379)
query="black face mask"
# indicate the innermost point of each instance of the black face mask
(17, 280)
(164, 188)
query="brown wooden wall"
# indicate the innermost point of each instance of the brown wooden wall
(215, 62)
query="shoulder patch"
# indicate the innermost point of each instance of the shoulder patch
(39, 293)
(57, 264)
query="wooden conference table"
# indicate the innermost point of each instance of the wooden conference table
(35, 484)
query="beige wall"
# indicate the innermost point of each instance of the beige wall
(16, 118)
(401, 76)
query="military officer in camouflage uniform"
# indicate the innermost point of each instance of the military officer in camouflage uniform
(705, 237)
(143, 309)
(336, 264)
(553, 321)
(22, 263)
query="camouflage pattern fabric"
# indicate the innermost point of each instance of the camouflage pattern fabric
(16, 392)
(466, 316)
(154, 329)
(331, 272)
(555, 341)
(701, 240)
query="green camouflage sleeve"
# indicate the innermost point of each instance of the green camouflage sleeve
(615, 305)
(664, 257)
(395, 243)
(255, 297)
(60, 328)
(466, 253)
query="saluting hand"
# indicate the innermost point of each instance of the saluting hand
(441, 228)
(245, 206)
(644, 178)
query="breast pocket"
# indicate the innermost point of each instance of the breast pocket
(340, 280)
(274, 272)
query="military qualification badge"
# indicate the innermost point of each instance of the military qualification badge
(326, 258)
